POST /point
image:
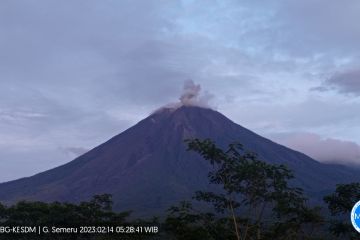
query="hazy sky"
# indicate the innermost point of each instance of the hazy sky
(73, 73)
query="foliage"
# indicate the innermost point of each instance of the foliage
(340, 204)
(251, 191)
(96, 212)
(185, 223)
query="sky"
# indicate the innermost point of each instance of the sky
(75, 73)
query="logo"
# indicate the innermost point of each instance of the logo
(355, 216)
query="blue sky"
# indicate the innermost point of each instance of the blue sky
(75, 73)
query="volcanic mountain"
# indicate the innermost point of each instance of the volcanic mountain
(147, 168)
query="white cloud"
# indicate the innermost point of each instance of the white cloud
(328, 150)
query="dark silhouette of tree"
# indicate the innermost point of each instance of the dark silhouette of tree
(2, 213)
(255, 197)
(340, 204)
(186, 223)
(96, 212)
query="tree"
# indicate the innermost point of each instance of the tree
(251, 190)
(186, 224)
(2, 213)
(340, 204)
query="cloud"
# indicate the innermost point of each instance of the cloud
(327, 150)
(75, 151)
(346, 82)
(326, 116)
(320, 89)
(11, 116)
(74, 73)
(311, 27)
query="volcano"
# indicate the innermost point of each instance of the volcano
(147, 167)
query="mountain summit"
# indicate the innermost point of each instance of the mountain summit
(147, 168)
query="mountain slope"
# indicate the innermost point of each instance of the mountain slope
(147, 167)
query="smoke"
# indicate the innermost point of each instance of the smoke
(191, 93)
(322, 149)
(192, 96)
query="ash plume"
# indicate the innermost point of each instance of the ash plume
(192, 95)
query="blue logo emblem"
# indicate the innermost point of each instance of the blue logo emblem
(355, 216)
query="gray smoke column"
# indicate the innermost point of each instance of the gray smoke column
(191, 95)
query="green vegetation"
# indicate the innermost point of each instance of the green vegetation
(253, 201)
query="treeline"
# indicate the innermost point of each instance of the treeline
(87, 220)
(256, 202)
